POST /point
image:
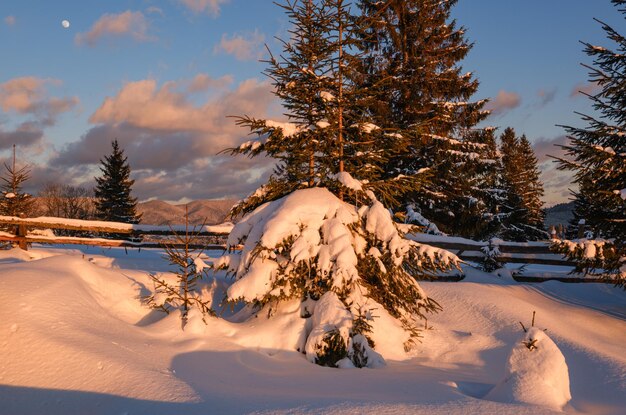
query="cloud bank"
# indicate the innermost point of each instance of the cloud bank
(172, 141)
(127, 24)
(27, 101)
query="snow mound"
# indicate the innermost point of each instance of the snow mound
(536, 374)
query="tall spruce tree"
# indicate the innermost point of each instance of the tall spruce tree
(113, 189)
(330, 130)
(322, 236)
(522, 211)
(597, 156)
(414, 48)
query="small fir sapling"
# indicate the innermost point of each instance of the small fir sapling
(491, 252)
(13, 200)
(186, 293)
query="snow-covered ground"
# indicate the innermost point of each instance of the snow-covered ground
(75, 338)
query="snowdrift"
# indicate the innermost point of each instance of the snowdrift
(536, 373)
(76, 338)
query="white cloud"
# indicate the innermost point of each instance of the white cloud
(584, 88)
(504, 102)
(211, 7)
(244, 47)
(29, 96)
(128, 23)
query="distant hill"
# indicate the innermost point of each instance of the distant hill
(157, 212)
(561, 213)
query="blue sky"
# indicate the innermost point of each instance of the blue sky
(162, 75)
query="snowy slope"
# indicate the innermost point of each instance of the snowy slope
(77, 339)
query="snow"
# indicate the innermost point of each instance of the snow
(76, 338)
(367, 128)
(327, 96)
(329, 314)
(289, 129)
(348, 181)
(536, 373)
(116, 226)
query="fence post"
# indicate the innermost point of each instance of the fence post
(581, 229)
(21, 233)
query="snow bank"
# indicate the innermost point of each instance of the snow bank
(536, 373)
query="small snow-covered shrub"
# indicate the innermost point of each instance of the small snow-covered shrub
(536, 373)
(491, 252)
(331, 350)
(596, 257)
(310, 244)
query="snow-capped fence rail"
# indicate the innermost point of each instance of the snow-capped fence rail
(538, 253)
(134, 233)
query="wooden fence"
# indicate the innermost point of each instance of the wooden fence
(145, 236)
(135, 236)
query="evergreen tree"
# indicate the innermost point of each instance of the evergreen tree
(522, 213)
(113, 189)
(329, 130)
(13, 200)
(596, 153)
(324, 237)
(189, 292)
(413, 48)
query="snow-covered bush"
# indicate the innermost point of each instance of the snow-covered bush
(352, 261)
(491, 252)
(536, 373)
(597, 257)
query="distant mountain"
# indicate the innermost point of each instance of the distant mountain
(157, 212)
(559, 214)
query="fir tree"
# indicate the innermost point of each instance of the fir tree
(596, 154)
(330, 131)
(113, 189)
(13, 200)
(522, 212)
(188, 292)
(299, 79)
(413, 48)
(325, 237)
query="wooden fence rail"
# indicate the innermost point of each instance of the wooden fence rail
(538, 253)
(135, 233)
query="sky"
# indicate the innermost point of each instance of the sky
(164, 77)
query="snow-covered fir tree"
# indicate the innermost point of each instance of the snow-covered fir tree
(113, 189)
(325, 240)
(414, 48)
(13, 200)
(522, 211)
(597, 155)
